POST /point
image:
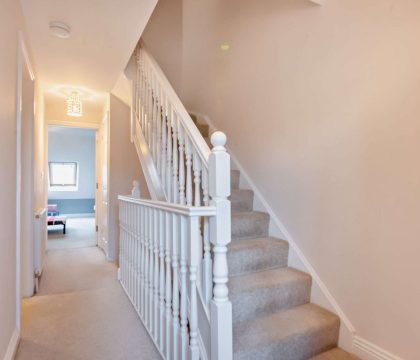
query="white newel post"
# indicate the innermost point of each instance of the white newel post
(220, 237)
(135, 192)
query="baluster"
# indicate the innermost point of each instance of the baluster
(188, 160)
(120, 257)
(168, 156)
(197, 202)
(154, 122)
(175, 285)
(162, 232)
(220, 236)
(158, 130)
(138, 254)
(129, 246)
(184, 295)
(181, 165)
(151, 272)
(142, 263)
(163, 149)
(207, 272)
(156, 272)
(168, 290)
(175, 158)
(194, 239)
(146, 267)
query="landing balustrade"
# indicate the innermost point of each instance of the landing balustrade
(173, 248)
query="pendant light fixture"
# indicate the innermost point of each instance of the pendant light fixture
(74, 104)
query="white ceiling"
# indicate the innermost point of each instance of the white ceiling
(103, 36)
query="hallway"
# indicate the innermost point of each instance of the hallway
(81, 312)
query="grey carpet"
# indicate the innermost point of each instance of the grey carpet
(81, 313)
(80, 232)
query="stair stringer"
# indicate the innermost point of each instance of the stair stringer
(320, 294)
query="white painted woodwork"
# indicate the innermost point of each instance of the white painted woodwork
(173, 247)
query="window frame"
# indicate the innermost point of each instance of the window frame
(63, 187)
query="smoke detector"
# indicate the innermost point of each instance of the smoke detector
(60, 29)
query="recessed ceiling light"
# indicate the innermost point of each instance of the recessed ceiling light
(59, 29)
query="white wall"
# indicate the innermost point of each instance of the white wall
(321, 107)
(10, 23)
(72, 144)
(163, 38)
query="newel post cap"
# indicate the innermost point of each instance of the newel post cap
(218, 140)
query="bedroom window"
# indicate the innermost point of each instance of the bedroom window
(63, 176)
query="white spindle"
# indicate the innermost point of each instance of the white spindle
(181, 166)
(168, 290)
(188, 161)
(207, 262)
(175, 157)
(184, 295)
(175, 285)
(194, 239)
(168, 157)
(162, 233)
(156, 272)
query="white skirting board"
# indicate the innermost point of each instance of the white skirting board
(13, 345)
(368, 351)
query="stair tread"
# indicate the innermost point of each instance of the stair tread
(266, 279)
(286, 326)
(335, 354)
(249, 224)
(257, 254)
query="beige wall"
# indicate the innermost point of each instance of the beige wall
(163, 38)
(321, 106)
(10, 23)
(124, 167)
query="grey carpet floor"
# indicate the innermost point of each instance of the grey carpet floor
(80, 232)
(81, 313)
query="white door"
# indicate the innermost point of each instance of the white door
(103, 185)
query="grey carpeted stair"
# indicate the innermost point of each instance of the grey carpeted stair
(251, 255)
(294, 334)
(242, 200)
(267, 292)
(249, 224)
(273, 318)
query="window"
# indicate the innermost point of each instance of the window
(63, 176)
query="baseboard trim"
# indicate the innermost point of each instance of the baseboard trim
(369, 351)
(13, 345)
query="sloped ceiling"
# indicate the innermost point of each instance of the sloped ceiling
(103, 36)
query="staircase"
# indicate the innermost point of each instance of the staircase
(272, 314)
(197, 261)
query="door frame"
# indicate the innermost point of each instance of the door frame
(23, 65)
(88, 126)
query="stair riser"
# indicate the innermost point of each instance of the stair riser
(299, 347)
(242, 200)
(265, 301)
(247, 227)
(234, 179)
(256, 259)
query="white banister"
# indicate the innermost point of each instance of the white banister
(173, 248)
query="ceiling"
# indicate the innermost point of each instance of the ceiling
(103, 36)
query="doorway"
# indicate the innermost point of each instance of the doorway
(71, 187)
